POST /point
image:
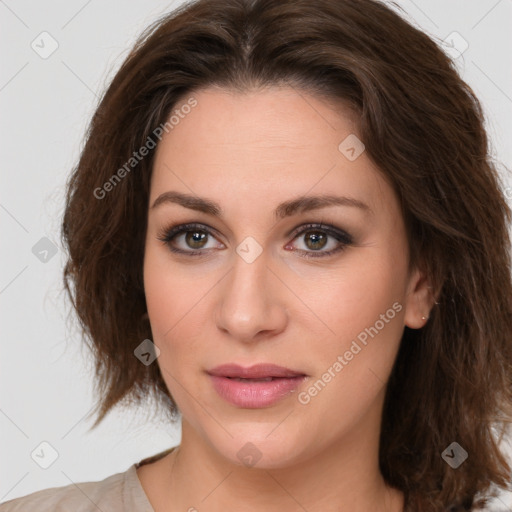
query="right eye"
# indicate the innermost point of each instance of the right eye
(193, 236)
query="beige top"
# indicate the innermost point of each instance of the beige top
(121, 492)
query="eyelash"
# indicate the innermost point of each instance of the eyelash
(168, 234)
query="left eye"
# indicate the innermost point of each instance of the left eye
(315, 239)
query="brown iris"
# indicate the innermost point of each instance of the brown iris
(317, 239)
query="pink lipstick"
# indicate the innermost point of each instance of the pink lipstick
(254, 387)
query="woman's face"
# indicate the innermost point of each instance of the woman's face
(257, 280)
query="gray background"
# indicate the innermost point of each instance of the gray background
(46, 103)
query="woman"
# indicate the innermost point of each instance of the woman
(286, 229)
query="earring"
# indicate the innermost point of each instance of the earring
(424, 317)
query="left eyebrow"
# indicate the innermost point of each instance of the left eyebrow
(285, 209)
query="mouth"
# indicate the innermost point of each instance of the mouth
(254, 387)
(260, 371)
(266, 379)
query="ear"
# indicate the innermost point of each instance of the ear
(419, 300)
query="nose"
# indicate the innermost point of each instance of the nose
(251, 301)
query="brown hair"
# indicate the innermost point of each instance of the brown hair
(422, 126)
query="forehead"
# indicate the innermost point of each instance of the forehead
(272, 117)
(263, 144)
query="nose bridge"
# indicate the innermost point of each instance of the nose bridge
(249, 304)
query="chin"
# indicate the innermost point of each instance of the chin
(252, 446)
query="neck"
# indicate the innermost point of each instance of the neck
(344, 476)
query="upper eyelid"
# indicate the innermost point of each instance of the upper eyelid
(188, 226)
(321, 226)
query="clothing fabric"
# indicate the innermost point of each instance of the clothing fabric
(121, 492)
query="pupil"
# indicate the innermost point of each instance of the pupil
(195, 238)
(317, 239)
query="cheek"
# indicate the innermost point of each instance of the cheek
(352, 366)
(162, 305)
(171, 292)
(362, 311)
(348, 299)
(170, 298)
(177, 303)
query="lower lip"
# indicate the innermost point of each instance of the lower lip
(253, 395)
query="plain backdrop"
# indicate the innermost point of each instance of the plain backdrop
(46, 103)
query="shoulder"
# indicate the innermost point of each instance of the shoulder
(109, 494)
(121, 492)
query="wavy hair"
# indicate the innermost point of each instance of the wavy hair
(424, 129)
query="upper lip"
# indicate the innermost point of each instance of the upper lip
(257, 371)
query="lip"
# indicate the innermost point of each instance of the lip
(257, 394)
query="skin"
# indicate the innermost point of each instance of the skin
(248, 153)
